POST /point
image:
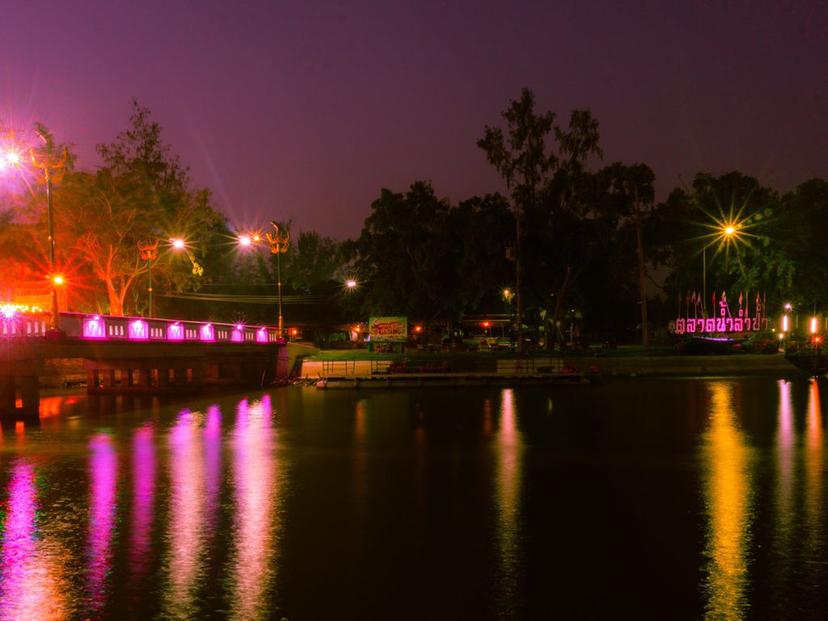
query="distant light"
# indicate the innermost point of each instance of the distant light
(485, 324)
(244, 240)
(177, 243)
(8, 311)
(294, 332)
(351, 283)
(788, 306)
(10, 158)
(781, 336)
(58, 280)
(729, 230)
(813, 325)
(257, 238)
(418, 328)
(784, 323)
(507, 293)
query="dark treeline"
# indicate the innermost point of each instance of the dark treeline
(571, 235)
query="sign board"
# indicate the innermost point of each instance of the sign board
(692, 320)
(388, 329)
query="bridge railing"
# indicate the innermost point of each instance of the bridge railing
(107, 327)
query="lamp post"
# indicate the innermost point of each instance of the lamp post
(725, 234)
(279, 241)
(148, 251)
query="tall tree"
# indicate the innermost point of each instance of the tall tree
(524, 157)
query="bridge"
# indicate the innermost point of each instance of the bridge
(123, 355)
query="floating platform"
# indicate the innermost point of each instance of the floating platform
(425, 380)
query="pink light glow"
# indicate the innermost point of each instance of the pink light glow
(175, 332)
(256, 488)
(186, 533)
(261, 335)
(143, 495)
(207, 332)
(30, 588)
(237, 335)
(103, 476)
(93, 328)
(138, 330)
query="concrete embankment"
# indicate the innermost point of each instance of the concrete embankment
(678, 366)
(621, 366)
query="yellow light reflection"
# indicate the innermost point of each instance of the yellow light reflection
(727, 489)
(256, 488)
(508, 489)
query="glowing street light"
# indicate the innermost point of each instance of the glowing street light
(729, 230)
(351, 283)
(58, 280)
(178, 243)
(813, 325)
(245, 240)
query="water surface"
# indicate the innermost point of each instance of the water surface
(649, 499)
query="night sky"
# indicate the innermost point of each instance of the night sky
(304, 110)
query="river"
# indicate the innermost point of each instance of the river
(685, 498)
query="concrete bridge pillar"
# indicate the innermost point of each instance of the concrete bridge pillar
(8, 394)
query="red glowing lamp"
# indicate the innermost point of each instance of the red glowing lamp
(485, 324)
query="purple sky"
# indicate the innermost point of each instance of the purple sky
(304, 110)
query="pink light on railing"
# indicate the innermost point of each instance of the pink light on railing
(207, 332)
(261, 335)
(93, 328)
(237, 335)
(175, 332)
(138, 330)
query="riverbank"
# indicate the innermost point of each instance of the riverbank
(324, 365)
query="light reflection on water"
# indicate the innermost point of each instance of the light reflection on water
(31, 584)
(186, 534)
(728, 495)
(193, 513)
(103, 474)
(255, 475)
(507, 494)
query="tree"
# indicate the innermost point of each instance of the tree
(401, 253)
(141, 193)
(534, 174)
(633, 188)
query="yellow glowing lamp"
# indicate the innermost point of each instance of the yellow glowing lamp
(58, 280)
(813, 325)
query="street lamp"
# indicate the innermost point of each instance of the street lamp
(724, 233)
(351, 284)
(148, 251)
(50, 162)
(279, 241)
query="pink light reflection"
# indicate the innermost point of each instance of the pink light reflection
(261, 335)
(143, 499)
(256, 488)
(103, 475)
(29, 586)
(237, 335)
(186, 533)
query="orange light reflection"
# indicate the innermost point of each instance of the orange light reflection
(727, 489)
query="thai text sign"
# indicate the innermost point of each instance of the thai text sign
(743, 318)
(388, 328)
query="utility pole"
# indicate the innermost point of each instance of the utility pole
(48, 162)
(279, 241)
